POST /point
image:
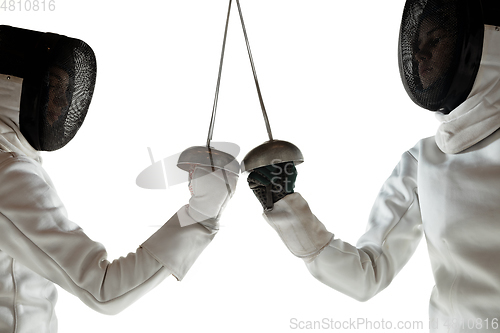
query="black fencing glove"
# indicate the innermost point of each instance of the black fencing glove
(272, 183)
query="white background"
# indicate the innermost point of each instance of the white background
(330, 81)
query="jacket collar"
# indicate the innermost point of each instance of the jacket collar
(479, 115)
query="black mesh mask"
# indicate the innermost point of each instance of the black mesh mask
(440, 48)
(58, 75)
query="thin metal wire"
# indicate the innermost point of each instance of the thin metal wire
(264, 113)
(214, 108)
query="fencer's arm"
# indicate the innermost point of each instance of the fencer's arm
(393, 233)
(37, 233)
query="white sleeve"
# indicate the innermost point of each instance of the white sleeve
(393, 233)
(37, 233)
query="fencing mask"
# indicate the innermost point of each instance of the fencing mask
(440, 48)
(58, 75)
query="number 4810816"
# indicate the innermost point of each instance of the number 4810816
(28, 5)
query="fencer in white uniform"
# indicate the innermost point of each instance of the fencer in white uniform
(46, 84)
(446, 187)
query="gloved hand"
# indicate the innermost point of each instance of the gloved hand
(179, 242)
(210, 190)
(272, 183)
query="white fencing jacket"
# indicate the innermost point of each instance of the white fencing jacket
(39, 246)
(446, 187)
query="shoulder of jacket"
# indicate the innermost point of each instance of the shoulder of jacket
(9, 158)
(421, 146)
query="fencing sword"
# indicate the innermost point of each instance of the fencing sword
(208, 155)
(272, 151)
(268, 153)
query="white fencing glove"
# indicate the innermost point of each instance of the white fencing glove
(211, 189)
(180, 241)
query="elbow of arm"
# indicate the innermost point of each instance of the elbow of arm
(364, 290)
(359, 288)
(110, 308)
(111, 300)
(360, 292)
(109, 305)
(112, 312)
(363, 297)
